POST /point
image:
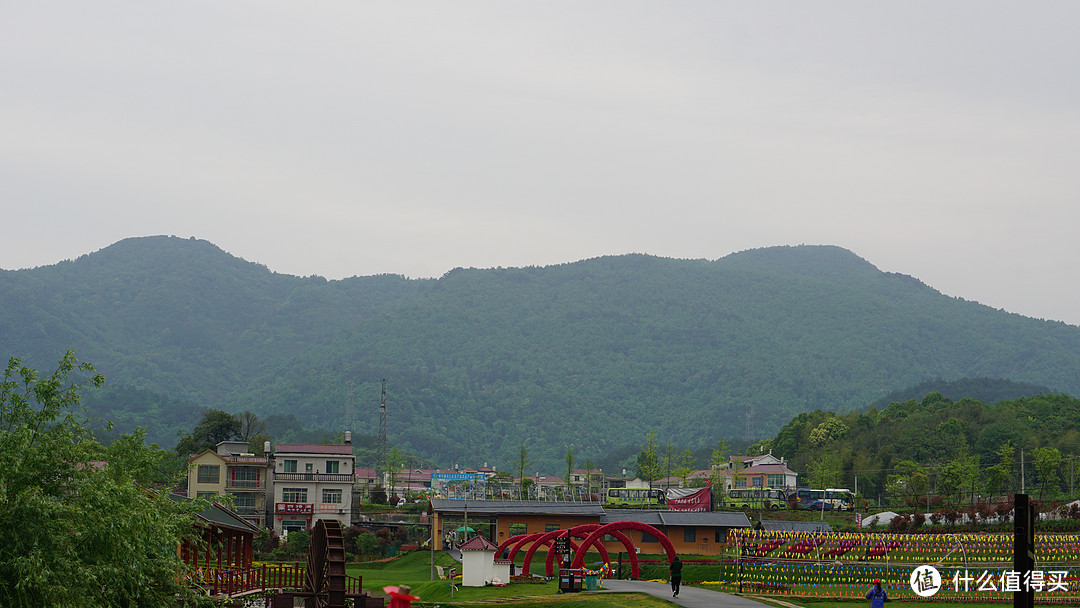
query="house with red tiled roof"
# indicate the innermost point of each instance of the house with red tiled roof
(312, 482)
(767, 476)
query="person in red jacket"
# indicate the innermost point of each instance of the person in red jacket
(400, 596)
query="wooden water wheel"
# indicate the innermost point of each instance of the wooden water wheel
(324, 580)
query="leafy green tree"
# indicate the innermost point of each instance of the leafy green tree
(569, 468)
(394, 463)
(910, 480)
(959, 473)
(590, 476)
(367, 544)
(999, 476)
(249, 425)
(297, 543)
(826, 470)
(830, 430)
(648, 461)
(214, 427)
(718, 461)
(1048, 465)
(668, 462)
(684, 466)
(522, 465)
(75, 531)
(950, 481)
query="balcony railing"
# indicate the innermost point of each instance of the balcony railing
(333, 477)
(245, 484)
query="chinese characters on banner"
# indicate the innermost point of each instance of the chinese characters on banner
(293, 507)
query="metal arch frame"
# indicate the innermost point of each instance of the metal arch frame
(544, 539)
(662, 538)
(518, 541)
(582, 532)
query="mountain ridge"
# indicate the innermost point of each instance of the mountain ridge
(592, 353)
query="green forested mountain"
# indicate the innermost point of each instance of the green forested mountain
(984, 390)
(937, 439)
(592, 354)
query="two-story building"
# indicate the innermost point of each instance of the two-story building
(231, 469)
(312, 482)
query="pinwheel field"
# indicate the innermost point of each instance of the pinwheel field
(971, 567)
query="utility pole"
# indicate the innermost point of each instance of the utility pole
(382, 465)
(1071, 476)
(1023, 490)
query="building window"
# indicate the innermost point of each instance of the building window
(205, 494)
(293, 494)
(647, 538)
(245, 477)
(776, 481)
(292, 525)
(307, 467)
(689, 535)
(290, 466)
(209, 473)
(331, 466)
(720, 536)
(740, 482)
(244, 503)
(757, 482)
(331, 496)
(518, 528)
(551, 527)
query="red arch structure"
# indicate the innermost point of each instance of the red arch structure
(518, 541)
(579, 557)
(547, 538)
(543, 539)
(582, 532)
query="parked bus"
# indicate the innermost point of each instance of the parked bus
(829, 499)
(634, 497)
(755, 499)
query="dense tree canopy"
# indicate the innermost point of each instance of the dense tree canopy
(954, 449)
(78, 524)
(594, 353)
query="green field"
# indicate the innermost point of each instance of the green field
(414, 570)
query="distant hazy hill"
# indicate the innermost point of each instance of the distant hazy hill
(594, 353)
(984, 390)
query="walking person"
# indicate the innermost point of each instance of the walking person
(676, 575)
(877, 595)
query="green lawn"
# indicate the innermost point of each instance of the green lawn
(414, 568)
(860, 603)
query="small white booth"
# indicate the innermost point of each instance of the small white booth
(479, 566)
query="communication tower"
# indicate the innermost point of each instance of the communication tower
(381, 466)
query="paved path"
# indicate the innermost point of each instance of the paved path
(691, 597)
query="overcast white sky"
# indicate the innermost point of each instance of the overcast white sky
(934, 138)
